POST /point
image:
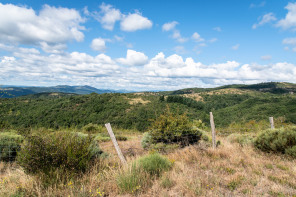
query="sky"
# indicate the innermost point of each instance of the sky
(147, 45)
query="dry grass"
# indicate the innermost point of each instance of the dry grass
(231, 170)
(135, 101)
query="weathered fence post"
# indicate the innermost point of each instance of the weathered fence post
(213, 130)
(271, 122)
(112, 136)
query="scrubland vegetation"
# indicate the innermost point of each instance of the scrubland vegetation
(166, 139)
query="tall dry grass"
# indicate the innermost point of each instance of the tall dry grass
(231, 170)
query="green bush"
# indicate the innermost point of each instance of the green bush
(10, 144)
(66, 151)
(291, 151)
(241, 139)
(92, 128)
(154, 164)
(146, 140)
(169, 128)
(281, 140)
(140, 174)
(121, 138)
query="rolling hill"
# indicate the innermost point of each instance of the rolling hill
(12, 91)
(230, 104)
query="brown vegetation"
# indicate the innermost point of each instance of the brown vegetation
(231, 170)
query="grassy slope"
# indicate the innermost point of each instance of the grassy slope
(231, 170)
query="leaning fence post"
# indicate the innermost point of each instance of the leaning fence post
(112, 136)
(213, 130)
(271, 122)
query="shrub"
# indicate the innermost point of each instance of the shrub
(10, 144)
(66, 151)
(100, 138)
(281, 140)
(241, 139)
(140, 174)
(169, 128)
(154, 164)
(291, 151)
(92, 128)
(146, 140)
(121, 138)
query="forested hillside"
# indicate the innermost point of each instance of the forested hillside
(136, 110)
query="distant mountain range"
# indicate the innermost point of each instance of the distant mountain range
(15, 91)
(7, 91)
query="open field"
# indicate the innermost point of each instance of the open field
(231, 170)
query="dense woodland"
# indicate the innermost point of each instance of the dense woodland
(136, 111)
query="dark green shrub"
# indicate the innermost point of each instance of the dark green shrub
(169, 128)
(291, 151)
(10, 144)
(67, 151)
(92, 128)
(121, 138)
(281, 140)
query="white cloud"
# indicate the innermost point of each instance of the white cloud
(266, 57)
(267, 18)
(52, 25)
(290, 20)
(52, 48)
(134, 22)
(235, 47)
(177, 36)
(195, 36)
(218, 29)
(294, 49)
(108, 16)
(98, 44)
(133, 58)
(290, 41)
(118, 38)
(169, 26)
(213, 40)
(262, 4)
(29, 66)
(180, 49)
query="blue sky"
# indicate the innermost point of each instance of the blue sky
(147, 45)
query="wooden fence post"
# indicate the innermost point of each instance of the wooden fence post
(271, 122)
(112, 136)
(213, 130)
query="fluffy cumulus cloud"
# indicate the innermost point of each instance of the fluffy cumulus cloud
(169, 26)
(108, 16)
(267, 18)
(134, 22)
(196, 37)
(98, 44)
(135, 71)
(22, 25)
(290, 41)
(133, 58)
(289, 22)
